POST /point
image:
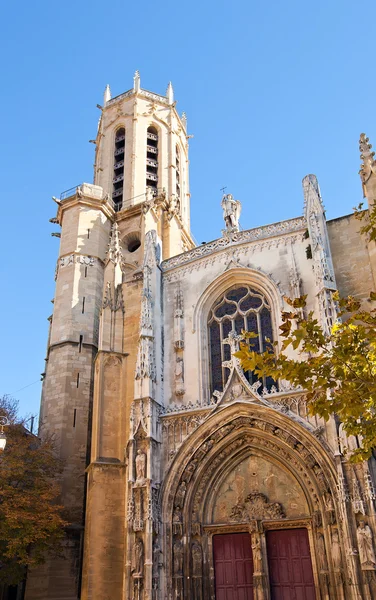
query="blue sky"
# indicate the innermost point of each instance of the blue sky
(272, 90)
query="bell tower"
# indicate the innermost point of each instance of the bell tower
(104, 349)
(142, 161)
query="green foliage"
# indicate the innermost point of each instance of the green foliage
(30, 521)
(338, 371)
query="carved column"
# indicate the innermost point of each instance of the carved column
(260, 568)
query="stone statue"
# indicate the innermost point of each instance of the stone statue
(178, 557)
(256, 553)
(179, 370)
(323, 563)
(138, 559)
(231, 212)
(140, 465)
(336, 550)
(180, 494)
(197, 570)
(156, 559)
(365, 544)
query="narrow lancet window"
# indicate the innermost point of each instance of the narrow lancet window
(152, 158)
(118, 178)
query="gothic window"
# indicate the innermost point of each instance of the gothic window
(240, 308)
(178, 195)
(152, 158)
(118, 178)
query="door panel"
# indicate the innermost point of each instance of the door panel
(290, 566)
(233, 566)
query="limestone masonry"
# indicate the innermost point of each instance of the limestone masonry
(184, 477)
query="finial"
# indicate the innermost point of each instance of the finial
(136, 81)
(184, 120)
(106, 95)
(170, 93)
(368, 165)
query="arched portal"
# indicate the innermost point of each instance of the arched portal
(249, 469)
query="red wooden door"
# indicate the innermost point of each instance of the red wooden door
(290, 566)
(233, 566)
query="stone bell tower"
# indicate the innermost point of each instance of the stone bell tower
(104, 350)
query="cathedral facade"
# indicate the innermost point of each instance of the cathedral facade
(186, 478)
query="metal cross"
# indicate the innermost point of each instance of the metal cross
(223, 189)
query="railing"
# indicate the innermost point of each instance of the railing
(117, 193)
(152, 136)
(151, 149)
(119, 164)
(70, 192)
(119, 151)
(120, 138)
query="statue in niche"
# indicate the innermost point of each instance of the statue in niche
(231, 212)
(336, 550)
(156, 559)
(197, 570)
(256, 553)
(180, 494)
(177, 523)
(323, 563)
(138, 559)
(179, 375)
(178, 557)
(140, 466)
(365, 544)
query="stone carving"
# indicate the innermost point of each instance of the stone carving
(137, 566)
(368, 165)
(178, 557)
(179, 319)
(138, 520)
(323, 562)
(251, 235)
(336, 550)
(140, 466)
(177, 522)
(179, 376)
(256, 552)
(231, 212)
(157, 563)
(114, 253)
(256, 506)
(180, 494)
(197, 570)
(356, 500)
(365, 545)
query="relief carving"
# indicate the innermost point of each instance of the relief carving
(336, 550)
(322, 560)
(256, 506)
(137, 566)
(197, 570)
(140, 467)
(365, 545)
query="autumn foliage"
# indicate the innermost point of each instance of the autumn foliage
(30, 521)
(337, 370)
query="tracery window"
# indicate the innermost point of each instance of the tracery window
(239, 308)
(118, 177)
(152, 158)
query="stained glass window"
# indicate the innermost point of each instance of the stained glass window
(240, 308)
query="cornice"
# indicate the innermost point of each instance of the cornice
(281, 229)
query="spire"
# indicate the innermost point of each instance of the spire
(368, 165)
(136, 81)
(114, 253)
(106, 95)
(170, 93)
(184, 120)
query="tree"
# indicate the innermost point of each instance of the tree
(337, 370)
(30, 520)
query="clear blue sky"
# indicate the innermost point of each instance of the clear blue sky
(272, 90)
